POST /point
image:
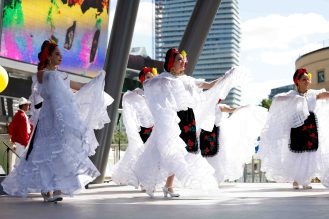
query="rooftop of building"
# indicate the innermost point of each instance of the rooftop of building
(312, 52)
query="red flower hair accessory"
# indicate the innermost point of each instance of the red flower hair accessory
(45, 52)
(171, 61)
(300, 72)
(145, 71)
(174, 52)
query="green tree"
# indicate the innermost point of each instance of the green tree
(119, 136)
(266, 103)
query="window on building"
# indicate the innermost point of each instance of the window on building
(321, 76)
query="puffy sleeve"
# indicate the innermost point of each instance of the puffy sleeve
(322, 113)
(130, 119)
(165, 93)
(66, 113)
(36, 101)
(287, 111)
(129, 113)
(92, 103)
(205, 111)
(199, 81)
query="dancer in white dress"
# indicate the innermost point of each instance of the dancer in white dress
(294, 145)
(231, 142)
(138, 122)
(178, 106)
(57, 160)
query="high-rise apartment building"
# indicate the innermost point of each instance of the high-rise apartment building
(221, 49)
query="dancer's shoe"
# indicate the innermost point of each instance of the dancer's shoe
(295, 185)
(166, 192)
(307, 187)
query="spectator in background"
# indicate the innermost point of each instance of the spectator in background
(20, 128)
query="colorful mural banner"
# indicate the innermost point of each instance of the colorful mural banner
(80, 28)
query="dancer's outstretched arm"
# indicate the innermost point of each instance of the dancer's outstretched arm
(226, 108)
(76, 85)
(207, 85)
(323, 95)
(73, 84)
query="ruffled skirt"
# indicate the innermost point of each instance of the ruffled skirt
(237, 141)
(283, 165)
(164, 156)
(63, 141)
(124, 171)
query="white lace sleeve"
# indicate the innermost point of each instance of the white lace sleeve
(130, 119)
(287, 111)
(205, 111)
(92, 103)
(35, 99)
(66, 113)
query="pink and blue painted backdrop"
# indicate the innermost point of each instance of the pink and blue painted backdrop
(80, 28)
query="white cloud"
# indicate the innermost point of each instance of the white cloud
(254, 92)
(144, 19)
(113, 5)
(270, 46)
(281, 32)
(288, 56)
(143, 30)
(143, 25)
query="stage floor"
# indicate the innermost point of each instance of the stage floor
(232, 200)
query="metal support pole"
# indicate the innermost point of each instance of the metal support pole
(252, 170)
(115, 67)
(245, 173)
(197, 30)
(10, 107)
(260, 171)
(3, 108)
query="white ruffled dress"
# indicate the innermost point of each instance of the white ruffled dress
(35, 99)
(237, 139)
(289, 110)
(165, 153)
(64, 138)
(136, 114)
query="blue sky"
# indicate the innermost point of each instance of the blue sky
(274, 34)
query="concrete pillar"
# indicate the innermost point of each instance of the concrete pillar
(197, 30)
(115, 67)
